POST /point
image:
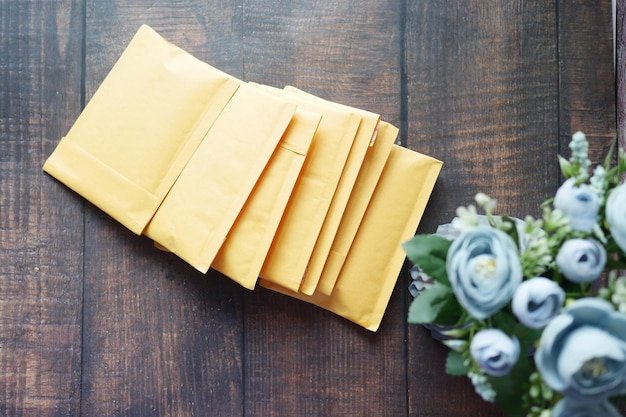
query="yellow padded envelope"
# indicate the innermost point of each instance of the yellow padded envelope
(357, 204)
(364, 140)
(304, 215)
(204, 202)
(140, 128)
(243, 253)
(371, 269)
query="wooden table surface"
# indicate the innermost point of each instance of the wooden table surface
(95, 322)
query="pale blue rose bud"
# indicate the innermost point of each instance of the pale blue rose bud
(579, 204)
(582, 352)
(565, 408)
(484, 270)
(537, 301)
(616, 215)
(581, 260)
(494, 351)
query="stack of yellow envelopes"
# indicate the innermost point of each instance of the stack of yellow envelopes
(305, 196)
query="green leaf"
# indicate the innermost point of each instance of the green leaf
(612, 264)
(511, 388)
(513, 233)
(454, 364)
(566, 167)
(504, 321)
(527, 337)
(429, 253)
(608, 159)
(430, 303)
(450, 312)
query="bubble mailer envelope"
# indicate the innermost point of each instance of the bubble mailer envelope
(242, 254)
(304, 215)
(375, 259)
(196, 215)
(140, 128)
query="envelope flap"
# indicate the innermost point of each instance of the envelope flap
(145, 120)
(365, 184)
(201, 207)
(113, 193)
(243, 252)
(293, 244)
(370, 272)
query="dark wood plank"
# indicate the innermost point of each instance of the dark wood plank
(495, 89)
(483, 97)
(586, 73)
(160, 338)
(299, 359)
(587, 100)
(40, 222)
(620, 69)
(482, 81)
(348, 52)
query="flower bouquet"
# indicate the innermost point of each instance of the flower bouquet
(534, 310)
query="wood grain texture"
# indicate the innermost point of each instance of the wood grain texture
(94, 321)
(620, 69)
(498, 108)
(488, 107)
(40, 222)
(161, 338)
(587, 100)
(299, 359)
(586, 75)
(345, 51)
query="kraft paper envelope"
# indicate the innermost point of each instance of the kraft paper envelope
(365, 138)
(201, 207)
(357, 204)
(302, 220)
(245, 248)
(375, 259)
(140, 128)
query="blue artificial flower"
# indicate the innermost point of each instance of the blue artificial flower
(482, 386)
(581, 260)
(580, 204)
(484, 270)
(494, 351)
(616, 215)
(582, 352)
(580, 153)
(565, 408)
(537, 301)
